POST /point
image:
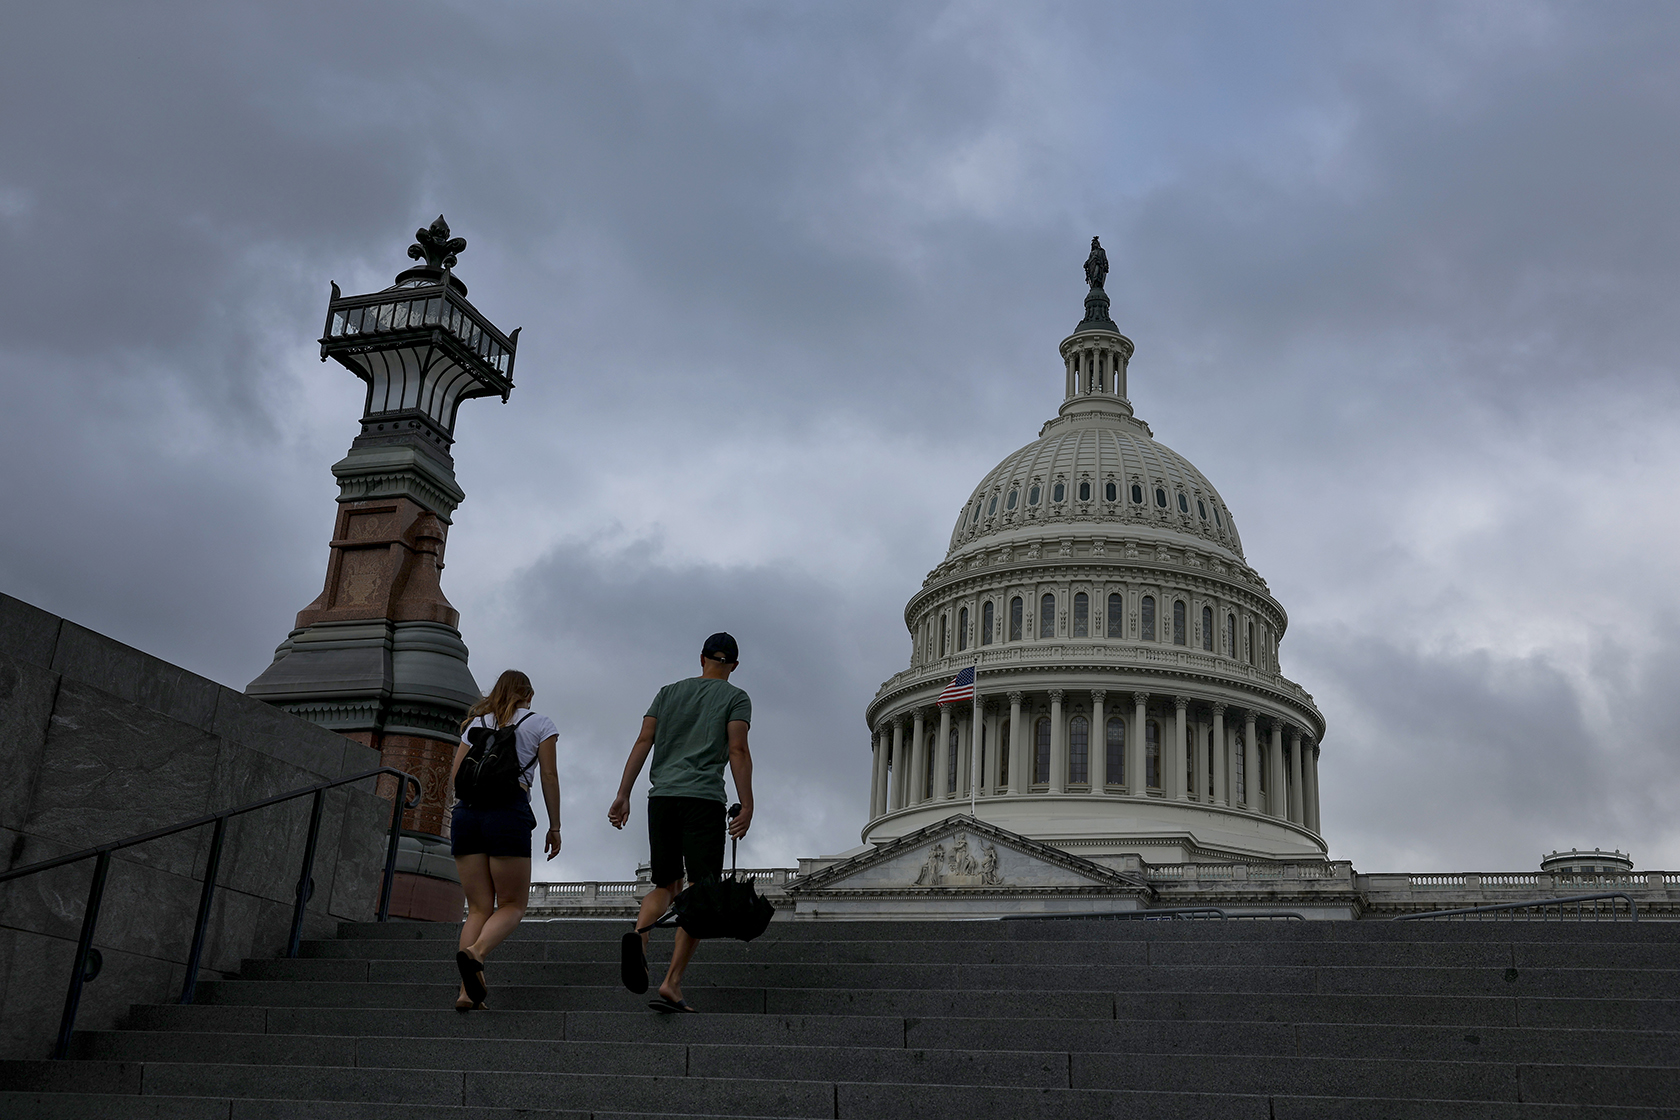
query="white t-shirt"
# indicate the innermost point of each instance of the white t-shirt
(525, 738)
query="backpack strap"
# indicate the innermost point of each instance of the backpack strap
(523, 770)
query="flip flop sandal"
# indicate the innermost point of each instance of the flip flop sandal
(632, 963)
(671, 1006)
(472, 976)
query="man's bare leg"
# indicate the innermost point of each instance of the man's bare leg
(681, 953)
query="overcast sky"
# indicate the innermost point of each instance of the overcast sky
(1402, 280)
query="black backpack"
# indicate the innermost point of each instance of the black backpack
(489, 775)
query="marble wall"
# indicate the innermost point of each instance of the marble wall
(99, 741)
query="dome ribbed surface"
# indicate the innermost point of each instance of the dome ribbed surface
(1118, 451)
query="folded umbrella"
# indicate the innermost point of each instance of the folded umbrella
(727, 907)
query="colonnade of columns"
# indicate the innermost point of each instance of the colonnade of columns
(1240, 759)
(1096, 368)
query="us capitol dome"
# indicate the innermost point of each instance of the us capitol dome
(1132, 701)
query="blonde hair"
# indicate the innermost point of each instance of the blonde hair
(512, 689)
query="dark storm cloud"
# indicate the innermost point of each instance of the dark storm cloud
(791, 279)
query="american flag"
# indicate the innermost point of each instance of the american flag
(960, 688)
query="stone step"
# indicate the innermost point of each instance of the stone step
(1406, 980)
(716, 1082)
(715, 1000)
(324, 1045)
(1590, 934)
(1617, 1014)
(1092, 952)
(1122, 1106)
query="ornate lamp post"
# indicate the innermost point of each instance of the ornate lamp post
(378, 656)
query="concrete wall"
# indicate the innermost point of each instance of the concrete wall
(99, 741)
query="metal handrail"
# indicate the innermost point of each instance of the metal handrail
(1164, 914)
(1540, 903)
(88, 960)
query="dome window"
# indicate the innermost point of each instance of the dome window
(1147, 610)
(1160, 497)
(1058, 493)
(1084, 491)
(1010, 504)
(1082, 615)
(1015, 619)
(1033, 496)
(1116, 751)
(992, 508)
(988, 619)
(1137, 493)
(1047, 616)
(1116, 616)
(1216, 520)
(962, 630)
(1183, 504)
(1201, 509)
(1111, 492)
(1079, 751)
(976, 516)
(1207, 629)
(1178, 622)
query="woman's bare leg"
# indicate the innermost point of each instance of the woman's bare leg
(511, 879)
(480, 890)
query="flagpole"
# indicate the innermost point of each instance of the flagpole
(975, 741)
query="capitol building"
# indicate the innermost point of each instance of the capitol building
(1132, 698)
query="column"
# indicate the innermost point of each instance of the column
(1251, 764)
(965, 751)
(1058, 744)
(1311, 763)
(1221, 749)
(1277, 804)
(942, 756)
(993, 776)
(877, 770)
(1017, 746)
(1295, 789)
(900, 765)
(1137, 777)
(918, 759)
(1181, 748)
(1099, 743)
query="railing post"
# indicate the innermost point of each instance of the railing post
(78, 971)
(305, 882)
(190, 984)
(397, 804)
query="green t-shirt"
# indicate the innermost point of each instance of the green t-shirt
(691, 739)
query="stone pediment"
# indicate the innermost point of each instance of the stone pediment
(963, 855)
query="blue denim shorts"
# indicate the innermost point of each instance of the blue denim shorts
(503, 832)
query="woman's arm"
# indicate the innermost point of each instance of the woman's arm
(551, 793)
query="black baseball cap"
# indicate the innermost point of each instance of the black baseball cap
(721, 647)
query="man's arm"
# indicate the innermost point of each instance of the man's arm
(620, 811)
(740, 764)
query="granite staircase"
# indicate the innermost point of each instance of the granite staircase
(1029, 1020)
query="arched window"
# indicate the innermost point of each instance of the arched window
(1015, 619)
(1010, 504)
(1111, 492)
(1147, 610)
(1047, 616)
(1137, 493)
(1058, 493)
(962, 629)
(1230, 635)
(1248, 644)
(1152, 754)
(991, 506)
(1115, 751)
(1003, 754)
(1216, 520)
(1041, 752)
(1116, 616)
(1201, 509)
(1084, 491)
(951, 761)
(1183, 505)
(1082, 615)
(1160, 497)
(1032, 496)
(976, 516)
(944, 633)
(987, 615)
(1079, 751)
(1178, 622)
(1207, 629)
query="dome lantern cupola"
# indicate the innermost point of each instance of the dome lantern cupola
(1096, 354)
